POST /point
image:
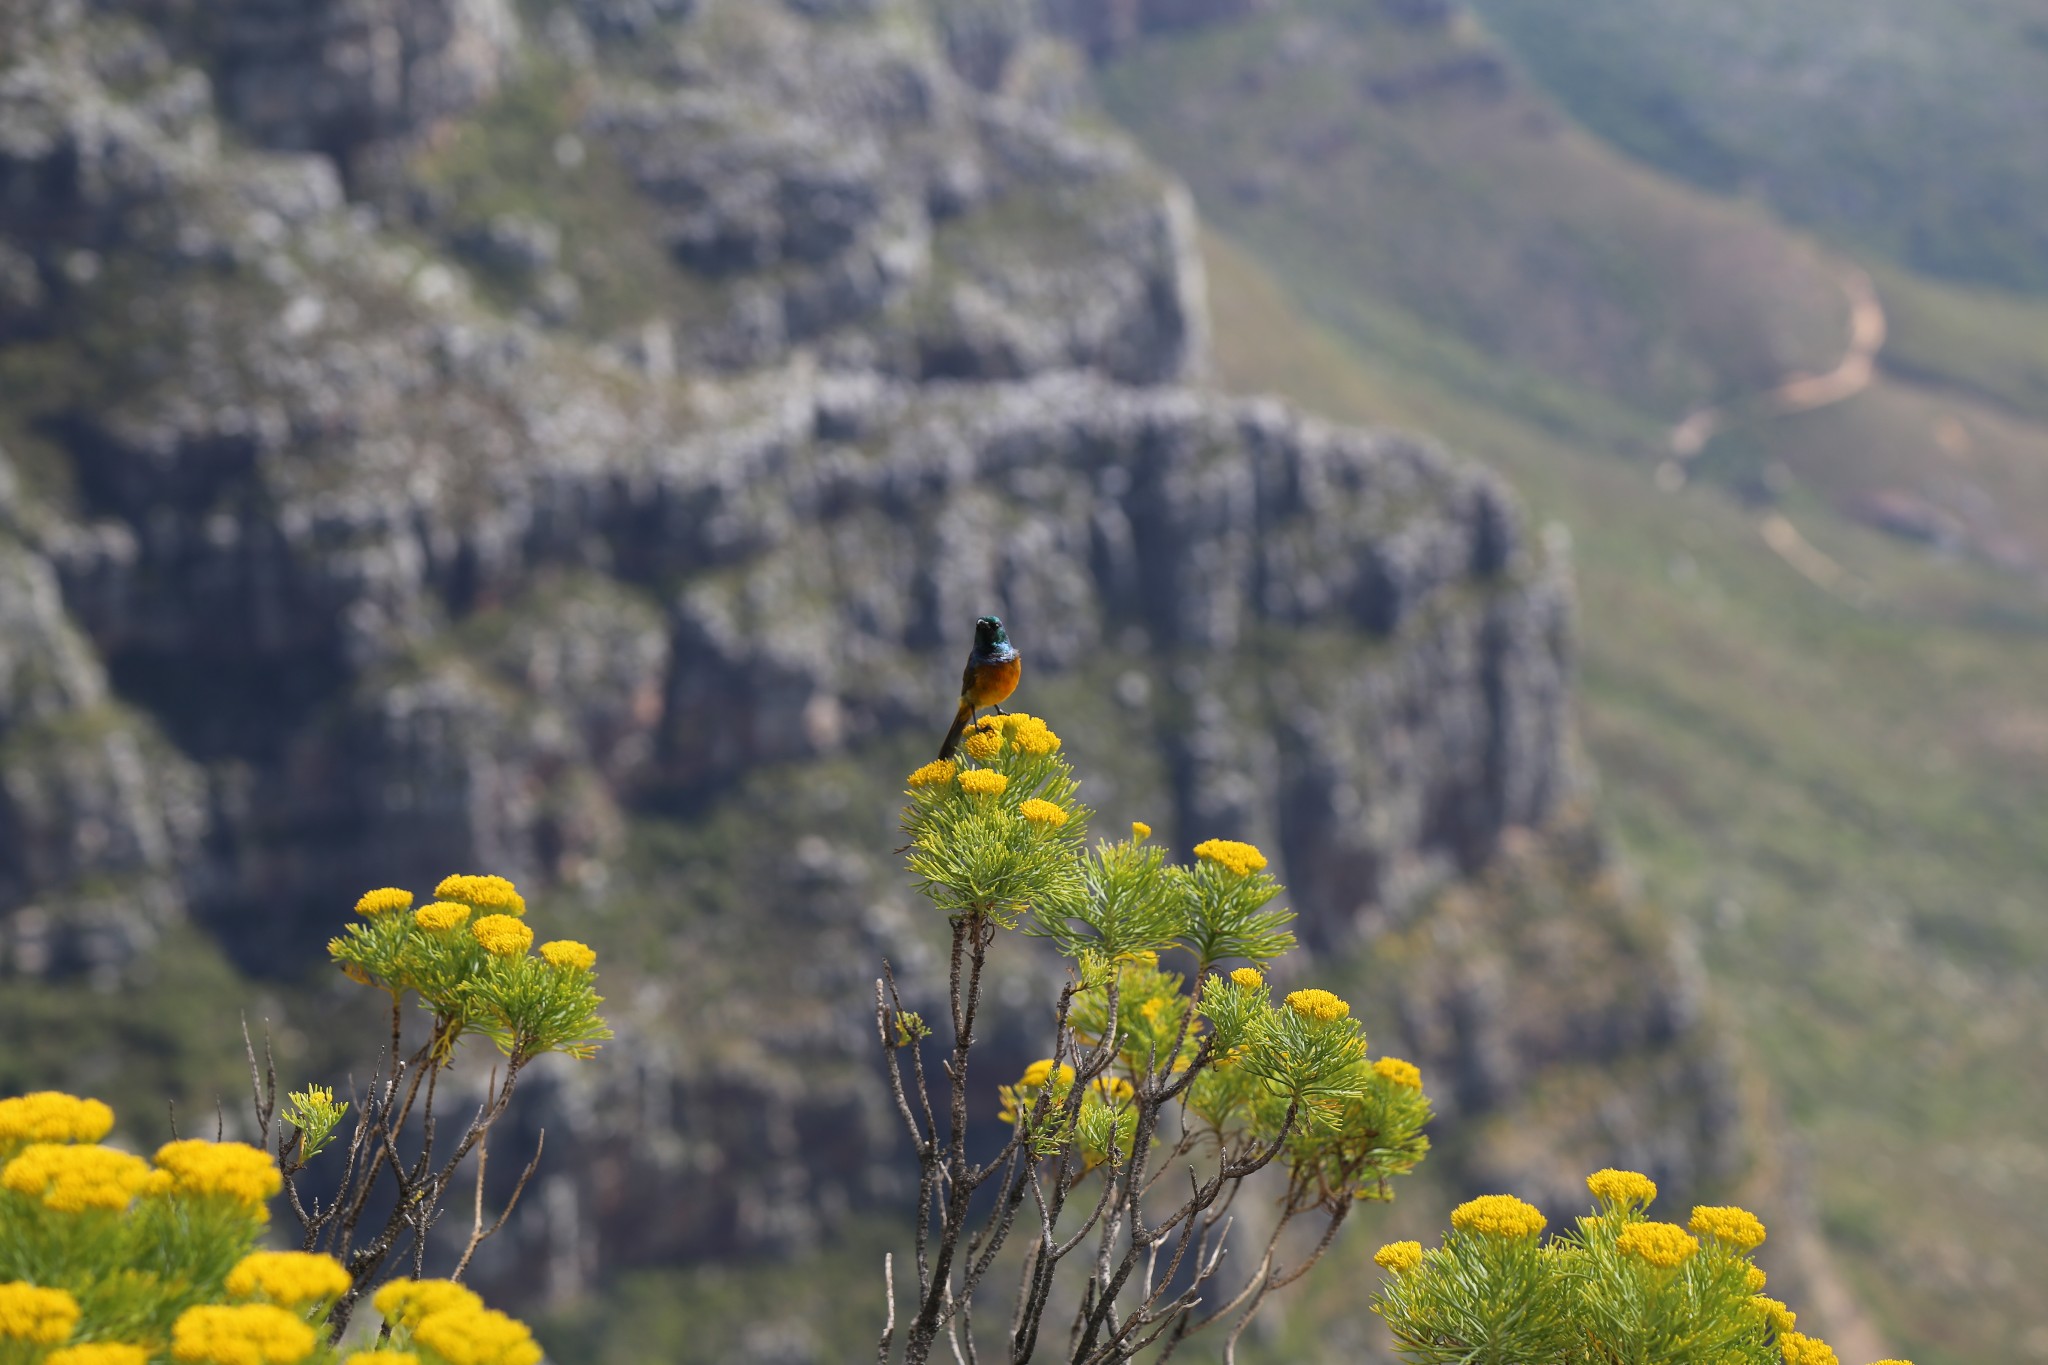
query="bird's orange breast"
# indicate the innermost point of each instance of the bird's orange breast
(991, 684)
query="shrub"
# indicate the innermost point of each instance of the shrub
(1164, 1090)
(110, 1259)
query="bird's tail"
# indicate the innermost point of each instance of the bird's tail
(960, 720)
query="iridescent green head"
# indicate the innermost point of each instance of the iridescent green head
(990, 635)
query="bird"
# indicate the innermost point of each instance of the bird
(993, 666)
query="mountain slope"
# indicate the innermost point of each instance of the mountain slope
(1841, 795)
(1907, 129)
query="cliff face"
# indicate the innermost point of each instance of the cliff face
(569, 441)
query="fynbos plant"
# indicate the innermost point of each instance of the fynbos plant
(1619, 1289)
(1173, 1078)
(108, 1259)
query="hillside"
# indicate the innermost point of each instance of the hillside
(569, 440)
(1911, 131)
(1838, 786)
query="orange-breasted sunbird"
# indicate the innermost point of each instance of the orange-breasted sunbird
(993, 667)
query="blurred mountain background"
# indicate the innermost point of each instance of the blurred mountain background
(1568, 477)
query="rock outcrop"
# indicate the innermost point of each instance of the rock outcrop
(571, 448)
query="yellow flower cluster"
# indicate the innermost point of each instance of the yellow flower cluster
(441, 916)
(983, 745)
(1621, 1188)
(484, 893)
(99, 1353)
(52, 1116)
(1498, 1215)
(1800, 1349)
(1243, 859)
(1140, 831)
(1891, 1362)
(232, 1170)
(405, 1303)
(1018, 1098)
(43, 1316)
(1028, 733)
(568, 953)
(240, 1334)
(502, 935)
(453, 1323)
(1756, 1278)
(937, 773)
(1042, 812)
(287, 1277)
(1399, 1072)
(1775, 1314)
(1399, 1257)
(982, 782)
(477, 1336)
(1318, 1004)
(70, 1179)
(1738, 1227)
(383, 900)
(1248, 977)
(1661, 1244)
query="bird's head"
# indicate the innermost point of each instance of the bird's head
(989, 633)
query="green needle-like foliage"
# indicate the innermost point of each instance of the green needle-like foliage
(1153, 1071)
(1619, 1289)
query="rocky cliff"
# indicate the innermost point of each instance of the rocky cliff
(568, 439)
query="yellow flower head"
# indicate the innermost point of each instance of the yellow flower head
(229, 1170)
(982, 782)
(43, 1316)
(1318, 1004)
(1622, 1189)
(99, 1353)
(1756, 1278)
(1498, 1215)
(1243, 859)
(484, 893)
(502, 935)
(405, 1302)
(385, 898)
(287, 1277)
(1399, 1072)
(441, 916)
(1031, 736)
(382, 1358)
(241, 1334)
(1661, 1244)
(1775, 1314)
(1248, 977)
(1800, 1349)
(1738, 1227)
(568, 953)
(1399, 1257)
(69, 1179)
(466, 1336)
(934, 774)
(1140, 831)
(1040, 812)
(1874, 1362)
(983, 745)
(52, 1116)
(1041, 1070)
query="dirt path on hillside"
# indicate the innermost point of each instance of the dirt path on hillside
(1802, 392)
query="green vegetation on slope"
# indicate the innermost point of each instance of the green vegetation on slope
(1845, 801)
(1428, 203)
(1909, 128)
